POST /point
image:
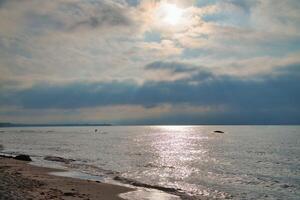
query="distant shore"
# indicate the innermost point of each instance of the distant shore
(19, 180)
(5, 125)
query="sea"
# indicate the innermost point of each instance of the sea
(170, 162)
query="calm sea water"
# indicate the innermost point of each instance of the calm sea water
(245, 162)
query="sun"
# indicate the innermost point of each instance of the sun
(170, 14)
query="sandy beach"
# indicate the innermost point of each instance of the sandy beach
(19, 180)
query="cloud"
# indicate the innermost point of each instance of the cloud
(68, 15)
(178, 71)
(246, 5)
(118, 53)
(2, 2)
(133, 2)
(100, 14)
(65, 40)
(174, 67)
(261, 96)
(123, 114)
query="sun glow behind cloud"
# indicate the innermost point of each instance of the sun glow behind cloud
(167, 17)
(113, 41)
(170, 14)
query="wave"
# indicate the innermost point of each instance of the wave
(94, 170)
(169, 190)
(78, 166)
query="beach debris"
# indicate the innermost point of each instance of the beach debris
(96, 130)
(58, 159)
(219, 132)
(23, 157)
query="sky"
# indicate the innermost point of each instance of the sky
(150, 62)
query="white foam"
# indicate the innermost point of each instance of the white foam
(148, 194)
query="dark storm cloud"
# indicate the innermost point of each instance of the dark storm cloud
(174, 67)
(74, 95)
(263, 98)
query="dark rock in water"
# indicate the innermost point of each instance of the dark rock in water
(218, 132)
(285, 186)
(70, 194)
(58, 159)
(23, 157)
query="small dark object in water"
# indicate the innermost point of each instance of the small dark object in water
(96, 130)
(218, 132)
(23, 157)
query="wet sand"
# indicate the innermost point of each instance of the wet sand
(19, 180)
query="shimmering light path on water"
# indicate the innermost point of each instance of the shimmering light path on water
(258, 162)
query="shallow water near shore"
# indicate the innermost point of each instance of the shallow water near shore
(244, 162)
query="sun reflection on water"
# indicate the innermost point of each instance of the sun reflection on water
(175, 146)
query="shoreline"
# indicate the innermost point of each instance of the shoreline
(120, 188)
(20, 180)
